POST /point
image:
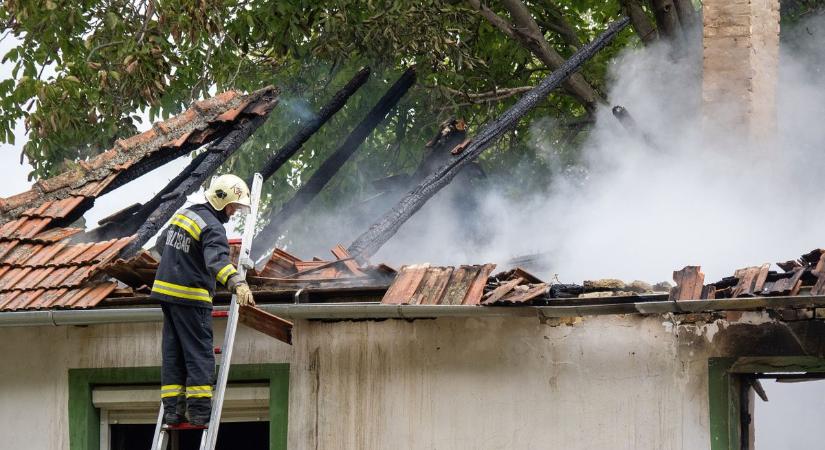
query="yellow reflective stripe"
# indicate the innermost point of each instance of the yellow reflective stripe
(198, 391)
(201, 395)
(171, 394)
(180, 287)
(191, 222)
(176, 290)
(195, 235)
(199, 388)
(225, 273)
(171, 390)
(179, 295)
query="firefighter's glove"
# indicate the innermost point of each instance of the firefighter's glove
(244, 295)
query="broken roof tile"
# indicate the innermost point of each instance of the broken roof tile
(423, 284)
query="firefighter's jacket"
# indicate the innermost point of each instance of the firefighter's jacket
(194, 256)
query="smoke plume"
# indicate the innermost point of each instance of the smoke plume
(699, 195)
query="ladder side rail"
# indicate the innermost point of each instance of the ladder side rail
(158, 429)
(210, 436)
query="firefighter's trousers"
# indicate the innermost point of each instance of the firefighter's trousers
(188, 369)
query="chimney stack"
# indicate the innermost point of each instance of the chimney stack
(740, 62)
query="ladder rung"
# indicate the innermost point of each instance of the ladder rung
(220, 313)
(184, 426)
(217, 350)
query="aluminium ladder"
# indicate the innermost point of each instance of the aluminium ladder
(210, 433)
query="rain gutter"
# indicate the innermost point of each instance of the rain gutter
(361, 311)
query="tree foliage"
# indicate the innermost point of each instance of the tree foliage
(86, 72)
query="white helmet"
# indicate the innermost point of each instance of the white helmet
(227, 189)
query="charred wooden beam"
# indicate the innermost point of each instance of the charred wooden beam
(216, 154)
(265, 239)
(124, 223)
(629, 124)
(382, 230)
(335, 104)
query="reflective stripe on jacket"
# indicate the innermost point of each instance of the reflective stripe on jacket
(194, 256)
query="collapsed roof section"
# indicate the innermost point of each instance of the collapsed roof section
(39, 265)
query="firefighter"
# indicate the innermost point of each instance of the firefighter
(195, 256)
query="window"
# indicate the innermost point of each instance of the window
(114, 408)
(733, 391)
(128, 415)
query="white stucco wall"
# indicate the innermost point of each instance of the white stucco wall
(607, 383)
(34, 371)
(620, 382)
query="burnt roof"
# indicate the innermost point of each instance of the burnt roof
(39, 266)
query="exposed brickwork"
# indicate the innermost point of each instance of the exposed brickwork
(741, 56)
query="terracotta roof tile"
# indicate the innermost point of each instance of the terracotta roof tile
(55, 209)
(65, 179)
(55, 235)
(139, 140)
(19, 200)
(7, 246)
(34, 277)
(24, 228)
(45, 254)
(19, 254)
(422, 284)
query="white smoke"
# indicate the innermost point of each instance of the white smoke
(699, 196)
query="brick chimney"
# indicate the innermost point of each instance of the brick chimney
(741, 57)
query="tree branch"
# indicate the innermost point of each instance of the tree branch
(525, 30)
(638, 19)
(494, 95)
(687, 14)
(554, 21)
(667, 19)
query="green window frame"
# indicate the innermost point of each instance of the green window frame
(84, 418)
(725, 385)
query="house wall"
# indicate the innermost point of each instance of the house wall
(36, 360)
(620, 382)
(609, 382)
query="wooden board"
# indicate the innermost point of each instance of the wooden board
(266, 323)
(341, 253)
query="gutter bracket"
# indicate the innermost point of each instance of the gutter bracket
(51, 317)
(400, 313)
